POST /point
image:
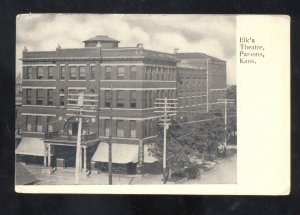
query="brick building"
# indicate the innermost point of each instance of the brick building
(125, 81)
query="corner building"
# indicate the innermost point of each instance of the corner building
(124, 80)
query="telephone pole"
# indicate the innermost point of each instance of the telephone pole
(110, 142)
(225, 102)
(80, 106)
(168, 106)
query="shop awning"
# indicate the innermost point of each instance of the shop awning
(148, 157)
(30, 146)
(121, 153)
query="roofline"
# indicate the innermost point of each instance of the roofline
(116, 41)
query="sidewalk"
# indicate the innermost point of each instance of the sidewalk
(223, 171)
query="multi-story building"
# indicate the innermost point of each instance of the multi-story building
(213, 69)
(124, 80)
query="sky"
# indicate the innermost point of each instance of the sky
(211, 34)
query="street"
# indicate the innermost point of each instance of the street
(223, 173)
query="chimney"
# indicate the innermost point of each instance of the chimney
(176, 50)
(58, 47)
(140, 45)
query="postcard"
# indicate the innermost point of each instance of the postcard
(152, 104)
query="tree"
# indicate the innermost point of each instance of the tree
(231, 111)
(186, 139)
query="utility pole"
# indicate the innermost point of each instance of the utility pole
(79, 107)
(78, 145)
(225, 102)
(110, 142)
(207, 86)
(169, 106)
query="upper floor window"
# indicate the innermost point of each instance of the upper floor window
(50, 72)
(62, 72)
(146, 98)
(39, 97)
(120, 98)
(50, 97)
(108, 96)
(133, 129)
(29, 95)
(106, 127)
(29, 73)
(133, 73)
(107, 73)
(82, 73)
(62, 100)
(93, 72)
(50, 121)
(28, 123)
(133, 99)
(73, 73)
(120, 128)
(39, 124)
(162, 72)
(120, 73)
(40, 72)
(148, 73)
(157, 73)
(168, 74)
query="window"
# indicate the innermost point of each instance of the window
(29, 95)
(29, 73)
(145, 129)
(93, 72)
(146, 99)
(50, 121)
(133, 99)
(162, 71)
(120, 73)
(73, 73)
(62, 72)
(120, 98)
(82, 73)
(168, 74)
(39, 97)
(50, 97)
(149, 127)
(120, 128)
(133, 73)
(28, 123)
(107, 127)
(108, 96)
(62, 91)
(107, 73)
(62, 100)
(40, 73)
(150, 98)
(50, 72)
(39, 124)
(133, 129)
(162, 95)
(157, 73)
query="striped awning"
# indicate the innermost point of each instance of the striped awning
(30, 146)
(121, 153)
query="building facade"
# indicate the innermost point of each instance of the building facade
(125, 81)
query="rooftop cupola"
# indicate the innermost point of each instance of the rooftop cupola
(102, 41)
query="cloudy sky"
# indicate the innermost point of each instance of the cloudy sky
(210, 34)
